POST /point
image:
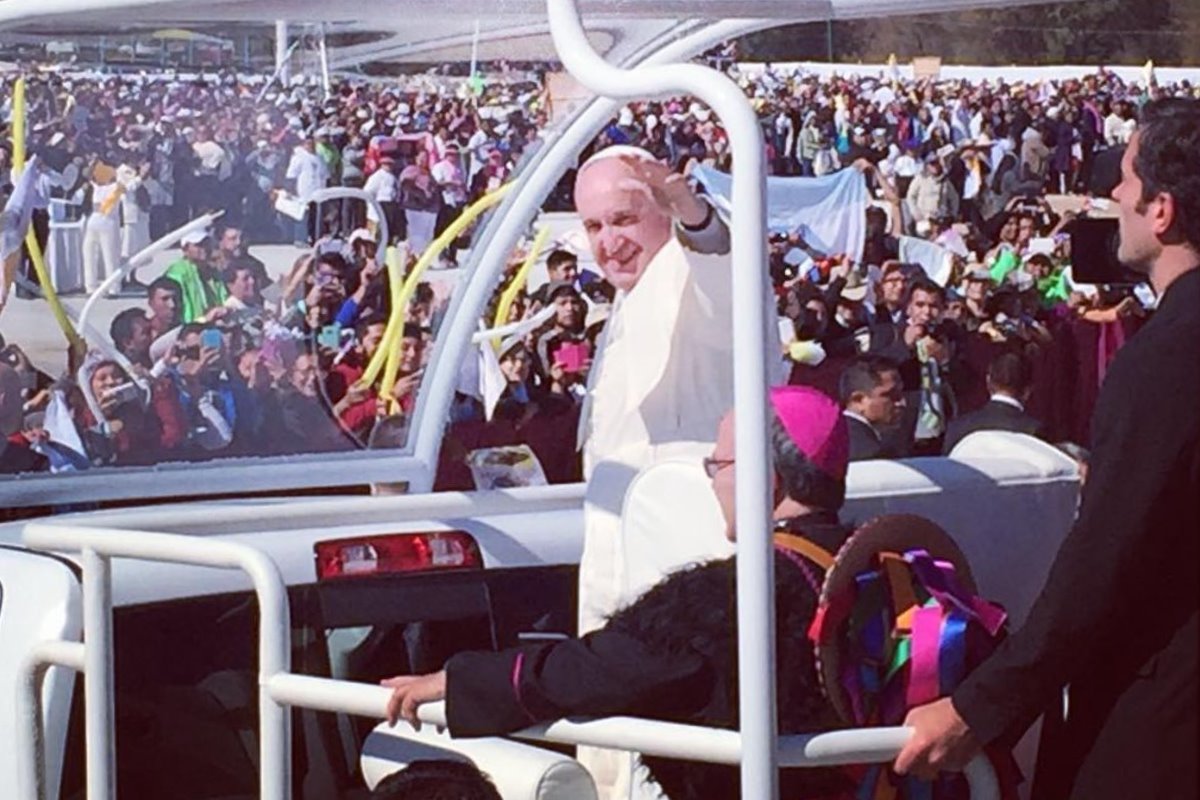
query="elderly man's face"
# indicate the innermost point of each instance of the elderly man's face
(625, 228)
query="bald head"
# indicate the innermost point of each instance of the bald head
(625, 228)
(11, 402)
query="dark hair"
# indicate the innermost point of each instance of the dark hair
(559, 257)
(442, 779)
(334, 260)
(365, 322)
(800, 479)
(423, 293)
(1168, 160)
(1011, 371)
(164, 284)
(239, 264)
(412, 331)
(863, 374)
(1042, 259)
(923, 284)
(121, 330)
(190, 328)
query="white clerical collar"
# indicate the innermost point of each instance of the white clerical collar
(856, 416)
(1011, 401)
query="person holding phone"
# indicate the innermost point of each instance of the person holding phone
(116, 424)
(563, 350)
(216, 402)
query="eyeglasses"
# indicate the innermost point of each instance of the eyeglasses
(714, 465)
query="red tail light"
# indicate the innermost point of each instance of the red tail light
(396, 553)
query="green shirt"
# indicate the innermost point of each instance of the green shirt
(198, 295)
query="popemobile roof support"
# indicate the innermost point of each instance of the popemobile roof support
(755, 607)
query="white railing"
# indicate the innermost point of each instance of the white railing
(279, 688)
(755, 564)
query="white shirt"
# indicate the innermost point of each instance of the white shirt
(384, 186)
(309, 172)
(100, 219)
(131, 211)
(450, 177)
(1008, 401)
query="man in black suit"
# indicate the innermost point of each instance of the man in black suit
(1009, 381)
(1119, 618)
(872, 396)
(924, 348)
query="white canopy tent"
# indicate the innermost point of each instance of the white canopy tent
(512, 29)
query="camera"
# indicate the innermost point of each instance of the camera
(941, 330)
(125, 393)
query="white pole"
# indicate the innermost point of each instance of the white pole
(31, 747)
(97, 545)
(755, 567)
(144, 257)
(282, 51)
(99, 706)
(501, 235)
(324, 62)
(474, 50)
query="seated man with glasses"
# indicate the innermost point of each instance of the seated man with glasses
(672, 654)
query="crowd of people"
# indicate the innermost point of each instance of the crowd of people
(224, 359)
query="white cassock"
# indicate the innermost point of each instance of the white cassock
(135, 220)
(662, 382)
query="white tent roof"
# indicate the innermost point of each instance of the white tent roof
(425, 31)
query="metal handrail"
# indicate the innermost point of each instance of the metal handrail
(280, 689)
(755, 574)
(98, 546)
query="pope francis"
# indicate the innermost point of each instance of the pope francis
(663, 374)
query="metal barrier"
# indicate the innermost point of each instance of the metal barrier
(279, 688)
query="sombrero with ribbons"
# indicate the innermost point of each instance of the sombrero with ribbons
(899, 622)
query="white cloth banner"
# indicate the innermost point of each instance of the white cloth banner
(936, 260)
(421, 225)
(829, 212)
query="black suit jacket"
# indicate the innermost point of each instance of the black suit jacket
(994, 416)
(865, 441)
(660, 658)
(1117, 619)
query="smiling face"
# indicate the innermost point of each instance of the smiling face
(411, 353)
(625, 229)
(105, 378)
(304, 375)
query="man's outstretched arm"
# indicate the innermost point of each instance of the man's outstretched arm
(603, 673)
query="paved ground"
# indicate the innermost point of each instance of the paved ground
(30, 324)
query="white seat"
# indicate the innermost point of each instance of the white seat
(519, 771)
(670, 519)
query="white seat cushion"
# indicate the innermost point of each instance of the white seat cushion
(519, 771)
(670, 519)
